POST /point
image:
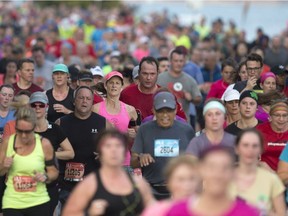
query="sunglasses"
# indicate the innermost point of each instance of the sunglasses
(38, 105)
(24, 131)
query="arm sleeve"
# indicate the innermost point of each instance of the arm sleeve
(194, 88)
(60, 133)
(212, 92)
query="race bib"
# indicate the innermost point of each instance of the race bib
(74, 171)
(166, 148)
(24, 184)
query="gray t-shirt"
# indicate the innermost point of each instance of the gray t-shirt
(201, 143)
(177, 85)
(43, 75)
(162, 144)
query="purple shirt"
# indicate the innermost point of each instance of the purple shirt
(239, 208)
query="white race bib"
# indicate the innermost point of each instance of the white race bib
(166, 148)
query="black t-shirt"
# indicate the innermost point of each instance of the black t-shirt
(239, 86)
(68, 102)
(233, 129)
(54, 134)
(81, 135)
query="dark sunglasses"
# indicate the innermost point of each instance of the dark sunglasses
(24, 131)
(39, 105)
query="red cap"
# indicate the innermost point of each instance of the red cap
(113, 74)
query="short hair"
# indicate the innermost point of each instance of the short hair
(160, 59)
(26, 114)
(177, 51)
(149, 60)
(7, 86)
(76, 92)
(38, 48)
(217, 148)
(24, 60)
(110, 133)
(254, 57)
(229, 62)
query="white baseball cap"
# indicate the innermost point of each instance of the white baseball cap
(97, 71)
(231, 95)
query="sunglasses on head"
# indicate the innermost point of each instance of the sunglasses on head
(39, 105)
(24, 131)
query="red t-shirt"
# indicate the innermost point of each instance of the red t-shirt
(140, 101)
(274, 143)
(33, 88)
(97, 99)
(217, 89)
(143, 102)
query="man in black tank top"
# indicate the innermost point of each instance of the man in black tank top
(80, 128)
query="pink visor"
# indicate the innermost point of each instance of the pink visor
(113, 74)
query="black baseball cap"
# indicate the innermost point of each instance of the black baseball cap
(85, 75)
(279, 70)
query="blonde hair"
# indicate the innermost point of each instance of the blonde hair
(174, 163)
(26, 114)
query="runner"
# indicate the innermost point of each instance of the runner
(111, 190)
(231, 102)
(268, 82)
(28, 161)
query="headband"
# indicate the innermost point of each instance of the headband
(267, 75)
(280, 106)
(213, 105)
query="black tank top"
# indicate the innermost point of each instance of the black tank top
(129, 205)
(81, 134)
(68, 102)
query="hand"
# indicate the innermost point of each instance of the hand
(251, 83)
(187, 96)
(97, 207)
(131, 133)
(40, 177)
(145, 159)
(59, 108)
(8, 161)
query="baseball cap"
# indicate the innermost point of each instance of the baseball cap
(279, 69)
(97, 71)
(113, 74)
(60, 68)
(231, 95)
(135, 72)
(85, 75)
(164, 100)
(38, 97)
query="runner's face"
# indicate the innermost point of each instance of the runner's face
(269, 85)
(232, 107)
(184, 181)
(165, 117)
(83, 102)
(11, 69)
(228, 74)
(243, 73)
(6, 97)
(279, 120)
(60, 78)
(25, 131)
(27, 71)
(148, 75)
(112, 152)
(253, 68)
(164, 66)
(114, 86)
(214, 119)
(217, 172)
(177, 62)
(249, 149)
(248, 107)
(40, 109)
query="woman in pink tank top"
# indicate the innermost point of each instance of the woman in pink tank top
(115, 111)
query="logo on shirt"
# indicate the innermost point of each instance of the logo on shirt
(94, 130)
(276, 144)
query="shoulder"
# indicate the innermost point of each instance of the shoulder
(129, 89)
(96, 116)
(46, 144)
(242, 208)
(183, 126)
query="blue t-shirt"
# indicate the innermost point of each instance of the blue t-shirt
(284, 157)
(3, 120)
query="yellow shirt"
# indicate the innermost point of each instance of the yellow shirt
(262, 191)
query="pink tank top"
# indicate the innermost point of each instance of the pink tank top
(120, 121)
